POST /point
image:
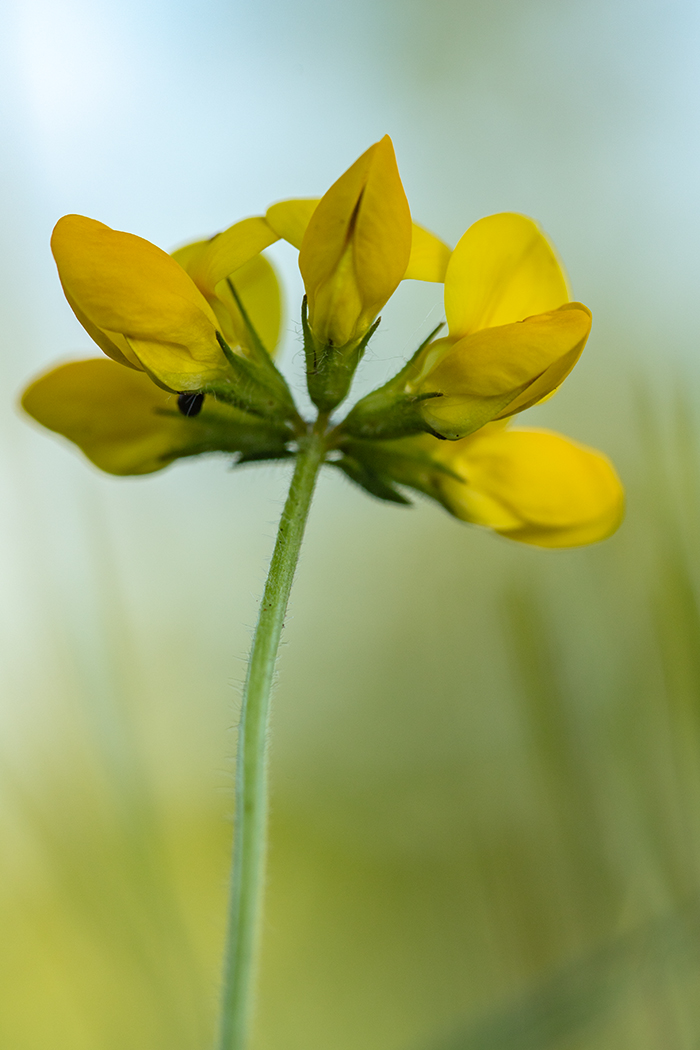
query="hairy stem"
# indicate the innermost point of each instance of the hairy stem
(250, 820)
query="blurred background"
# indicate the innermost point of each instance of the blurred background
(485, 759)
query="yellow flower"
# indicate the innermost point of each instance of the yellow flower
(531, 485)
(513, 338)
(125, 424)
(527, 484)
(144, 310)
(513, 334)
(355, 247)
(138, 304)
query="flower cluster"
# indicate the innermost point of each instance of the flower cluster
(190, 340)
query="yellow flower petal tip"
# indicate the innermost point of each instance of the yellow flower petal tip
(429, 257)
(356, 248)
(534, 486)
(225, 253)
(289, 219)
(131, 295)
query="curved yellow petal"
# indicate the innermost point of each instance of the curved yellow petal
(123, 283)
(127, 287)
(429, 257)
(356, 247)
(258, 289)
(113, 414)
(502, 270)
(503, 370)
(290, 218)
(189, 253)
(257, 286)
(126, 425)
(113, 345)
(228, 251)
(383, 231)
(533, 486)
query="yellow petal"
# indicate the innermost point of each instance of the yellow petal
(534, 486)
(289, 219)
(356, 247)
(188, 254)
(113, 345)
(330, 226)
(383, 231)
(257, 287)
(429, 257)
(111, 413)
(503, 370)
(123, 422)
(124, 285)
(502, 270)
(228, 251)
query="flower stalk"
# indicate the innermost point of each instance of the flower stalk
(250, 819)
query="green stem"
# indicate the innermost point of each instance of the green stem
(250, 819)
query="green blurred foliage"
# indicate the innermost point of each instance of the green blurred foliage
(486, 791)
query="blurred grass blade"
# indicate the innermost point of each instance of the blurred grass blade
(564, 1007)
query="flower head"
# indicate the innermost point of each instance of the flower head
(191, 337)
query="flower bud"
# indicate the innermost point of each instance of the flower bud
(354, 253)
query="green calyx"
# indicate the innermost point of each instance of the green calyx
(379, 466)
(218, 429)
(255, 386)
(393, 410)
(330, 369)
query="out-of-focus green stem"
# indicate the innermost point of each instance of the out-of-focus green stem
(250, 819)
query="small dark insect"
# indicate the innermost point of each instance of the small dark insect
(190, 404)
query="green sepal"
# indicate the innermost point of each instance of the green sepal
(330, 369)
(231, 430)
(255, 386)
(392, 463)
(384, 415)
(262, 455)
(368, 480)
(392, 411)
